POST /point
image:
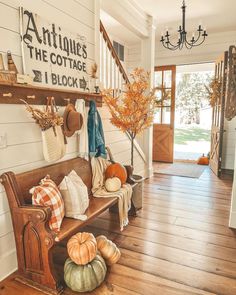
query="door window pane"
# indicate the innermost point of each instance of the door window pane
(158, 94)
(166, 96)
(167, 79)
(157, 116)
(166, 114)
(158, 79)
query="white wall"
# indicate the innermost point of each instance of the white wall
(214, 45)
(232, 219)
(134, 57)
(24, 149)
(229, 140)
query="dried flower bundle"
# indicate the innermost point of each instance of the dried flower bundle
(45, 119)
(93, 71)
(132, 111)
(214, 91)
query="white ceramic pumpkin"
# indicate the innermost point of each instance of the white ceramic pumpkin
(113, 184)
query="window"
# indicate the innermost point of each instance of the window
(119, 50)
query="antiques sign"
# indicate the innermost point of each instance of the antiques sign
(51, 55)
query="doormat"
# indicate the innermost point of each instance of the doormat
(179, 169)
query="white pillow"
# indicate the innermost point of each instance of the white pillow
(75, 196)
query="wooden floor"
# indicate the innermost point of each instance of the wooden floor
(179, 244)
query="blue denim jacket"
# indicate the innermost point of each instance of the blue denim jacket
(95, 133)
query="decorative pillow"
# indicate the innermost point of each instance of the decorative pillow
(75, 196)
(48, 194)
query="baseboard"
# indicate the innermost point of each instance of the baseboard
(227, 171)
(232, 219)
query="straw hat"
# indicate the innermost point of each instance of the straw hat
(73, 120)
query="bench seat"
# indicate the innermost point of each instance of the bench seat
(96, 206)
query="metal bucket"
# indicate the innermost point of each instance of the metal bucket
(137, 197)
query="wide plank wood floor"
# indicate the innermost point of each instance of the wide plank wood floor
(180, 242)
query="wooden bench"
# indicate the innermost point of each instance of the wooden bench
(34, 239)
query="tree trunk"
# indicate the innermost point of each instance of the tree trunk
(132, 151)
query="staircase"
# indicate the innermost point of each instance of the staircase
(112, 73)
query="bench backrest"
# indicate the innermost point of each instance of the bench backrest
(27, 180)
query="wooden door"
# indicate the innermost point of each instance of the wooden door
(163, 128)
(217, 128)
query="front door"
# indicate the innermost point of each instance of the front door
(217, 129)
(163, 127)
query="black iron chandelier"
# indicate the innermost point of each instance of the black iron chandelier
(183, 41)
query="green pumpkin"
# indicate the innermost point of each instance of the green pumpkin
(84, 278)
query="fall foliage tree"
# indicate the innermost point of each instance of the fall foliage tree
(132, 111)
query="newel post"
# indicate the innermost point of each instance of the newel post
(148, 63)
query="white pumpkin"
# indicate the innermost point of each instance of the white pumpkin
(113, 184)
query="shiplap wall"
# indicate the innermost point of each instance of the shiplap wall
(133, 57)
(24, 148)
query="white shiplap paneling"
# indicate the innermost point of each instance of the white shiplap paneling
(24, 149)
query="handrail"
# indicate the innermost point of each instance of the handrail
(113, 53)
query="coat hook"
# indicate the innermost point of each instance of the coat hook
(7, 94)
(67, 99)
(30, 96)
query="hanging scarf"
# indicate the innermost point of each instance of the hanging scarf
(95, 133)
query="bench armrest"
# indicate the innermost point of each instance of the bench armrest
(39, 216)
(42, 213)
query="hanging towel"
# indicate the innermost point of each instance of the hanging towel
(124, 195)
(95, 133)
(83, 132)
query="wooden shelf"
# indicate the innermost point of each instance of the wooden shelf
(12, 93)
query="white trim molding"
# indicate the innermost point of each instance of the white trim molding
(128, 13)
(232, 218)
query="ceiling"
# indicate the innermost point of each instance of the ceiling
(216, 15)
(117, 30)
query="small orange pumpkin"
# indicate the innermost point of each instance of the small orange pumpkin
(109, 251)
(116, 170)
(82, 248)
(203, 160)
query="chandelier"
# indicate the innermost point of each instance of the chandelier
(183, 41)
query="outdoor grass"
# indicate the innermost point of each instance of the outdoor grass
(185, 135)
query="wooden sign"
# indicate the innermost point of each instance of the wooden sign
(53, 56)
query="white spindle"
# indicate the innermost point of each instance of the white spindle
(101, 60)
(107, 67)
(104, 64)
(115, 76)
(111, 71)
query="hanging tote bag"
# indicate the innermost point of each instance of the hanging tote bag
(54, 142)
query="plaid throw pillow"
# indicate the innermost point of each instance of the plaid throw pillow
(48, 194)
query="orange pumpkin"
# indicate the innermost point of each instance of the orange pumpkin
(109, 251)
(82, 248)
(203, 160)
(116, 170)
